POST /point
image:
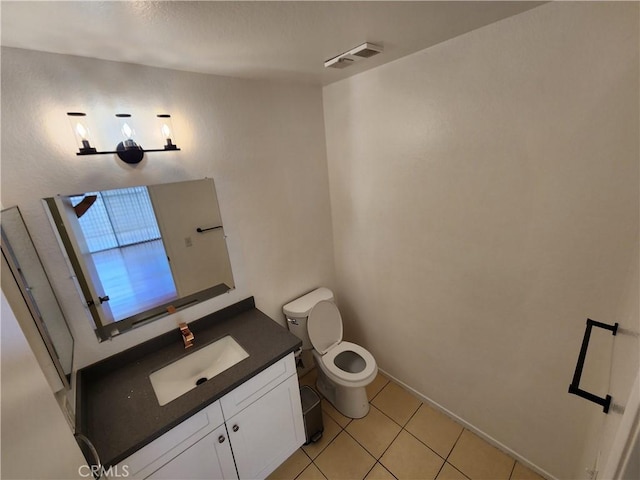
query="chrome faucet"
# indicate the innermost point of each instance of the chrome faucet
(187, 336)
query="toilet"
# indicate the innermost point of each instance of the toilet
(344, 368)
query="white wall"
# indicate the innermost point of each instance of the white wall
(485, 203)
(263, 144)
(36, 440)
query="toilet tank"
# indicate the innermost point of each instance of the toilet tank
(298, 310)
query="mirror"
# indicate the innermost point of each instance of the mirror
(140, 252)
(25, 267)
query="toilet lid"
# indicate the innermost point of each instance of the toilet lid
(324, 326)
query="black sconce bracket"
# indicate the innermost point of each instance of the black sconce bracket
(129, 155)
(574, 388)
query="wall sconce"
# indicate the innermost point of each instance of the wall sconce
(127, 150)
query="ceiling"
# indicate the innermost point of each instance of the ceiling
(260, 39)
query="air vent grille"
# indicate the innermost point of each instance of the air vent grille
(345, 59)
(366, 53)
(342, 63)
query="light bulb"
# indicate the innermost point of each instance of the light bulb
(166, 131)
(81, 131)
(127, 131)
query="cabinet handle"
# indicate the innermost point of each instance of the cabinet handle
(221, 439)
(236, 428)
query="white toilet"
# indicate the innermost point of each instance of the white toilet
(344, 368)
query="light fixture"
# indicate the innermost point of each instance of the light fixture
(127, 150)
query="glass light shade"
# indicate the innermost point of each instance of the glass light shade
(166, 130)
(127, 130)
(78, 122)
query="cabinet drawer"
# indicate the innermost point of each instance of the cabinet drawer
(163, 449)
(252, 389)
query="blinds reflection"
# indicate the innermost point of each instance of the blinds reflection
(118, 218)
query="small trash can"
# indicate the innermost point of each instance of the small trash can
(312, 414)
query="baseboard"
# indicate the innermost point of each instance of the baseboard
(472, 428)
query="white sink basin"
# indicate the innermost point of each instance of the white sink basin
(185, 374)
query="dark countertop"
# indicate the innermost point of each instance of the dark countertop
(117, 408)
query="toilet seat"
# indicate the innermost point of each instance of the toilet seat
(324, 325)
(343, 377)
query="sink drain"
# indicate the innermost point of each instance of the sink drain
(200, 381)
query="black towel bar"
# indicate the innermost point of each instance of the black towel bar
(202, 230)
(575, 383)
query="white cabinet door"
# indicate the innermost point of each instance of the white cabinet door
(209, 458)
(153, 457)
(268, 431)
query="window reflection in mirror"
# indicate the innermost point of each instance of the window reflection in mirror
(136, 251)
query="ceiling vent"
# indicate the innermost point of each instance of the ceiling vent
(345, 59)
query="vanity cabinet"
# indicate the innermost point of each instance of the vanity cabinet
(246, 434)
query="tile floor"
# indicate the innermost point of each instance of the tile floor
(400, 438)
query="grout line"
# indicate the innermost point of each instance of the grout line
(311, 459)
(365, 448)
(369, 471)
(378, 392)
(441, 467)
(335, 419)
(455, 443)
(330, 442)
(458, 470)
(381, 466)
(424, 444)
(321, 472)
(306, 466)
(390, 472)
(512, 469)
(413, 414)
(380, 410)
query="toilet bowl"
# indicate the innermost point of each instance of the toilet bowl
(344, 368)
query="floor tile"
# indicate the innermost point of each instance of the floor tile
(374, 387)
(375, 432)
(435, 429)
(292, 467)
(408, 458)
(344, 459)
(311, 473)
(450, 473)
(378, 472)
(396, 402)
(479, 460)
(331, 431)
(335, 414)
(520, 472)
